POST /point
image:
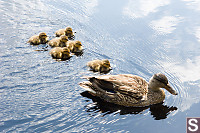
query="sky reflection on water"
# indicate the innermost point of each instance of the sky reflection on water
(142, 8)
(40, 94)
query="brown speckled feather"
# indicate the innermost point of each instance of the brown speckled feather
(128, 84)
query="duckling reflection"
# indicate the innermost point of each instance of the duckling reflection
(158, 111)
(43, 48)
(38, 39)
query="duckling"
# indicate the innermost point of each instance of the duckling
(38, 39)
(68, 32)
(128, 90)
(99, 65)
(58, 41)
(60, 53)
(74, 46)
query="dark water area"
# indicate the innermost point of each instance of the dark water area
(39, 94)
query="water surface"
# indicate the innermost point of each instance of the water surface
(39, 94)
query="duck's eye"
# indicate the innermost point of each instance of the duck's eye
(162, 80)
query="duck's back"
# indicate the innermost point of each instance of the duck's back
(94, 65)
(55, 42)
(60, 32)
(34, 40)
(70, 45)
(128, 83)
(56, 52)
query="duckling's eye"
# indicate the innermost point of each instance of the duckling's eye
(69, 31)
(66, 51)
(107, 65)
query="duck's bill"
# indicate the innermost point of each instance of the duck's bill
(171, 90)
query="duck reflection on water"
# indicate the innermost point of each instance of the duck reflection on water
(158, 111)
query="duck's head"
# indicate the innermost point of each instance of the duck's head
(66, 51)
(42, 35)
(158, 81)
(63, 38)
(78, 44)
(68, 31)
(106, 64)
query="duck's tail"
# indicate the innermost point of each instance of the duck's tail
(97, 85)
(87, 86)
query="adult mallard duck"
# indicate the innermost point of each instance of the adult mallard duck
(60, 53)
(38, 39)
(75, 46)
(58, 41)
(99, 65)
(129, 90)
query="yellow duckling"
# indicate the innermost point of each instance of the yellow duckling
(74, 46)
(38, 39)
(99, 65)
(129, 90)
(60, 53)
(58, 41)
(68, 32)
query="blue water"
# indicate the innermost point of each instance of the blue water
(39, 94)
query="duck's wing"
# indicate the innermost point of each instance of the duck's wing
(128, 84)
(123, 84)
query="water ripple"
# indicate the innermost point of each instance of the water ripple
(39, 94)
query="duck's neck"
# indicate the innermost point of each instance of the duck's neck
(153, 85)
(153, 88)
